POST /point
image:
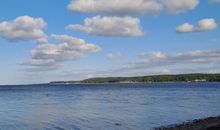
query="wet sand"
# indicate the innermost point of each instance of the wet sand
(211, 123)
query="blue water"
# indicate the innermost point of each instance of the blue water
(106, 106)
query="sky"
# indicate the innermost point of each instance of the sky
(43, 41)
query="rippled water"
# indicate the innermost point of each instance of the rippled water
(105, 107)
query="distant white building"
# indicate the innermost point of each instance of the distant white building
(200, 80)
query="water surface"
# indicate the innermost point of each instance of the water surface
(105, 106)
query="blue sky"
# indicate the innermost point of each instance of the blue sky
(122, 39)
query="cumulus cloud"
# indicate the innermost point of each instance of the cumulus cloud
(119, 7)
(203, 25)
(109, 26)
(24, 28)
(207, 24)
(131, 7)
(46, 56)
(178, 6)
(186, 27)
(67, 48)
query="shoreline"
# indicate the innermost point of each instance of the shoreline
(103, 83)
(210, 123)
(136, 82)
(193, 77)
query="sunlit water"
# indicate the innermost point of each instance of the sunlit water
(106, 107)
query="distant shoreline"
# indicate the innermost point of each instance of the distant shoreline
(177, 78)
(127, 83)
(95, 83)
(211, 123)
(196, 77)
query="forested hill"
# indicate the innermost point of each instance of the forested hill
(157, 78)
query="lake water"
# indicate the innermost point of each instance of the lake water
(106, 106)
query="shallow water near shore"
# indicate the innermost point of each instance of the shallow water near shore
(106, 106)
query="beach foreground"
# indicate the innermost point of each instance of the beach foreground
(211, 123)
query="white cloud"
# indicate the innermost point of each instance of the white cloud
(39, 62)
(46, 56)
(131, 7)
(119, 7)
(67, 48)
(186, 27)
(207, 24)
(24, 28)
(153, 55)
(158, 59)
(109, 26)
(165, 71)
(178, 6)
(203, 25)
(151, 63)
